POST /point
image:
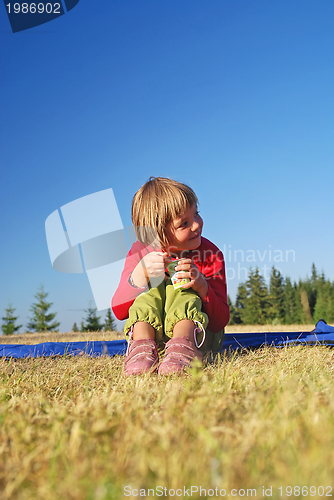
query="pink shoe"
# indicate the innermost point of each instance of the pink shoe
(179, 354)
(141, 357)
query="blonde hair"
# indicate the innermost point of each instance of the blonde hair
(159, 201)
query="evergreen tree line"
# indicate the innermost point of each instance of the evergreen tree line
(44, 321)
(92, 322)
(283, 302)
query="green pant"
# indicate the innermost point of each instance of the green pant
(162, 307)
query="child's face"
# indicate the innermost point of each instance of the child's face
(184, 233)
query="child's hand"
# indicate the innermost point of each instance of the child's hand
(150, 266)
(155, 263)
(188, 269)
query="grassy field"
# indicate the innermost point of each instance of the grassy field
(75, 428)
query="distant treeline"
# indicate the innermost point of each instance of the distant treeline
(42, 320)
(283, 302)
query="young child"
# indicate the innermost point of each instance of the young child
(168, 227)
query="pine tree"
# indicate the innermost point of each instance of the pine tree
(92, 321)
(314, 274)
(240, 304)
(276, 310)
(303, 305)
(310, 286)
(331, 315)
(300, 317)
(257, 303)
(41, 321)
(75, 327)
(9, 327)
(232, 310)
(290, 309)
(324, 304)
(290, 303)
(109, 322)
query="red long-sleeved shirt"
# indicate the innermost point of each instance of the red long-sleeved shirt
(210, 262)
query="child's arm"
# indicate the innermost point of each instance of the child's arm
(215, 304)
(141, 264)
(126, 293)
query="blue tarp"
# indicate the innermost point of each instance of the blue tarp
(95, 349)
(322, 333)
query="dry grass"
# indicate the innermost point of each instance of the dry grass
(37, 338)
(75, 428)
(268, 328)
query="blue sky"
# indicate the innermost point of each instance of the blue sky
(232, 97)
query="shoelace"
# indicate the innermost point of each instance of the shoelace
(130, 338)
(197, 330)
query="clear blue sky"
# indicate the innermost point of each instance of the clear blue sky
(234, 97)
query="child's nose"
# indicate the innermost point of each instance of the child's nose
(195, 225)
